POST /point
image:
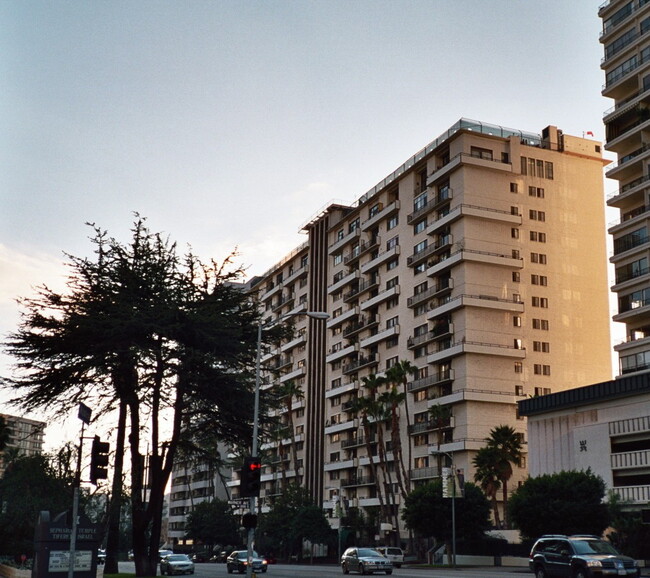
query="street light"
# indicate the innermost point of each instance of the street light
(261, 326)
(450, 455)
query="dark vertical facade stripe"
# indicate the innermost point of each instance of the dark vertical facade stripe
(315, 418)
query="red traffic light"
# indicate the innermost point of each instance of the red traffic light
(250, 478)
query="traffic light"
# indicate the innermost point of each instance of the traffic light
(249, 521)
(99, 460)
(250, 478)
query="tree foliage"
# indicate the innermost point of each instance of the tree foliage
(30, 484)
(428, 514)
(166, 338)
(212, 523)
(291, 518)
(569, 502)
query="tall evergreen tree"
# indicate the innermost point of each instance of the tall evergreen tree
(169, 337)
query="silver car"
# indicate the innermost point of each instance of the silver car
(365, 561)
(176, 564)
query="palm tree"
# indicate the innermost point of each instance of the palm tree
(287, 391)
(506, 443)
(439, 416)
(5, 434)
(487, 475)
(399, 374)
(391, 401)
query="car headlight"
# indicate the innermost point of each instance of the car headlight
(594, 563)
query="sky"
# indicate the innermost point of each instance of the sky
(229, 124)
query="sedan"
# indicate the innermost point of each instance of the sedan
(176, 564)
(365, 561)
(238, 561)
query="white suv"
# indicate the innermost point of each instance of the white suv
(395, 555)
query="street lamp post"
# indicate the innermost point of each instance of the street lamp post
(256, 409)
(450, 455)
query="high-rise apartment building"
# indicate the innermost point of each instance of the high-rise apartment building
(626, 63)
(25, 437)
(482, 262)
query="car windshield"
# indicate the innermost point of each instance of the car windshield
(244, 555)
(178, 558)
(369, 552)
(594, 547)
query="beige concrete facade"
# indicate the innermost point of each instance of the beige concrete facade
(26, 437)
(626, 63)
(482, 262)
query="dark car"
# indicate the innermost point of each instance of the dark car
(176, 564)
(579, 557)
(365, 561)
(238, 561)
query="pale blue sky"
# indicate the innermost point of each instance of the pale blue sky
(231, 123)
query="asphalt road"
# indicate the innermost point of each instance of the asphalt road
(332, 571)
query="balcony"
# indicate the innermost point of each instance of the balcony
(342, 388)
(629, 165)
(447, 350)
(380, 298)
(358, 481)
(380, 259)
(357, 364)
(440, 378)
(364, 285)
(333, 356)
(631, 460)
(343, 317)
(387, 211)
(343, 241)
(361, 250)
(294, 374)
(482, 301)
(444, 286)
(293, 343)
(342, 281)
(418, 340)
(432, 425)
(287, 300)
(443, 243)
(381, 336)
(444, 195)
(424, 473)
(358, 442)
(365, 322)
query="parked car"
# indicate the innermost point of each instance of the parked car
(200, 557)
(365, 561)
(163, 553)
(220, 557)
(176, 564)
(395, 555)
(238, 561)
(579, 556)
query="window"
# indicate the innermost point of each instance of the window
(391, 361)
(354, 225)
(420, 201)
(519, 390)
(421, 246)
(540, 324)
(337, 312)
(392, 243)
(518, 344)
(392, 303)
(540, 302)
(420, 396)
(394, 282)
(420, 226)
(374, 210)
(542, 391)
(539, 369)
(516, 277)
(392, 223)
(391, 342)
(538, 258)
(514, 210)
(392, 322)
(420, 268)
(420, 310)
(337, 296)
(519, 367)
(392, 264)
(420, 352)
(536, 192)
(516, 321)
(481, 153)
(514, 233)
(548, 170)
(536, 215)
(541, 346)
(539, 280)
(514, 188)
(420, 440)
(516, 254)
